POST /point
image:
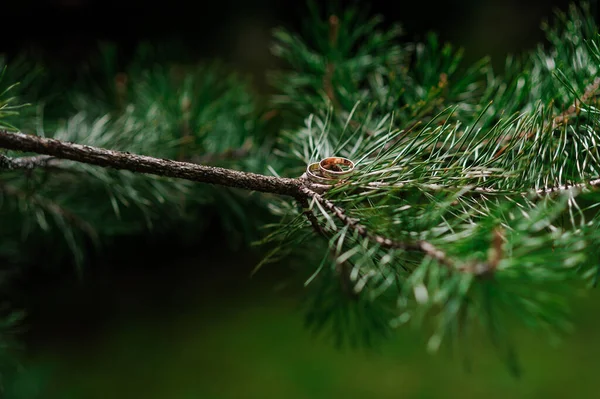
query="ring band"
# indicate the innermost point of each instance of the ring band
(332, 162)
(312, 176)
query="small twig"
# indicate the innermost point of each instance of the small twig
(422, 246)
(560, 119)
(552, 190)
(310, 216)
(488, 268)
(343, 268)
(575, 108)
(566, 187)
(27, 163)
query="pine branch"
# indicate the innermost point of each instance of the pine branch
(508, 156)
(144, 164)
(550, 190)
(343, 268)
(575, 108)
(562, 118)
(422, 246)
(297, 188)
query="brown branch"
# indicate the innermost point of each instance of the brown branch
(144, 164)
(562, 118)
(552, 190)
(575, 108)
(47, 161)
(421, 246)
(310, 216)
(343, 268)
(565, 187)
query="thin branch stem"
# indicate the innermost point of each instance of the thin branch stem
(562, 118)
(343, 268)
(422, 246)
(552, 190)
(144, 164)
(575, 108)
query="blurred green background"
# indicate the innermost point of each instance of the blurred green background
(193, 329)
(156, 319)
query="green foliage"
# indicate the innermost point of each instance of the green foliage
(197, 112)
(493, 170)
(454, 155)
(8, 109)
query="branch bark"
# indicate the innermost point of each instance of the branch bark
(344, 268)
(149, 165)
(421, 246)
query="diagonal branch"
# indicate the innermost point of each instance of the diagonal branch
(575, 108)
(144, 164)
(343, 268)
(422, 246)
(562, 118)
(480, 269)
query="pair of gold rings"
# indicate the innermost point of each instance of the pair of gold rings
(330, 170)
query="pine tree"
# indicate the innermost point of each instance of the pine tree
(472, 201)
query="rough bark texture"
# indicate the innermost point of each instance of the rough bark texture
(150, 165)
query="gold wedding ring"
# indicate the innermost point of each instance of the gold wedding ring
(336, 167)
(314, 174)
(330, 170)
